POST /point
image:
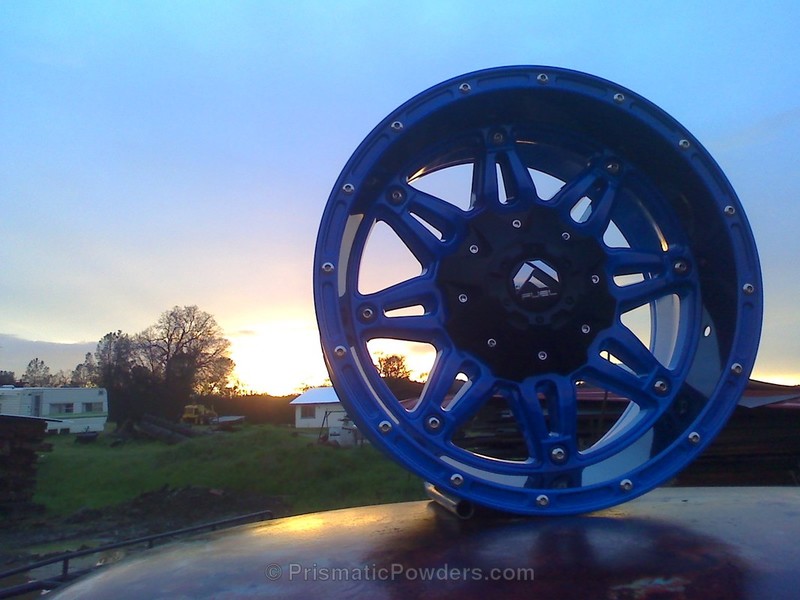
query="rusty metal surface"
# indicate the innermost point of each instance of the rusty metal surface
(672, 543)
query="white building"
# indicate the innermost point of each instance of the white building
(68, 410)
(321, 409)
(317, 407)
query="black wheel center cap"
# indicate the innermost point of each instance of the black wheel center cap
(525, 292)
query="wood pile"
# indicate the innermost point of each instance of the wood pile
(166, 431)
(21, 439)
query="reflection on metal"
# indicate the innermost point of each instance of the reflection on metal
(593, 245)
(70, 573)
(734, 543)
(463, 509)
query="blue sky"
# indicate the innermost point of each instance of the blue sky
(155, 154)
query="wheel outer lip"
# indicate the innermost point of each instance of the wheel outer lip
(346, 371)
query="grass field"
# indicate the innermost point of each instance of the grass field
(276, 461)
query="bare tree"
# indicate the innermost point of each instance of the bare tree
(60, 379)
(85, 374)
(159, 370)
(186, 344)
(187, 352)
(37, 374)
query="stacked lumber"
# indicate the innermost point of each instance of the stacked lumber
(166, 431)
(21, 439)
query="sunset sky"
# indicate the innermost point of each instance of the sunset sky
(155, 154)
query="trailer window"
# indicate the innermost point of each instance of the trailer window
(92, 407)
(62, 408)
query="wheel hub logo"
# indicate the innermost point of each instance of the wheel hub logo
(536, 280)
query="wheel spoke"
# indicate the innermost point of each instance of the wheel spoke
(627, 347)
(419, 290)
(637, 294)
(574, 190)
(443, 374)
(475, 393)
(527, 410)
(602, 206)
(422, 243)
(485, 192)
(518, 181)
(619, 379)
(442, 215)
(425, 328)
(565, 420)
(625, 261)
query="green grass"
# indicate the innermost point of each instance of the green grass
(258, 458)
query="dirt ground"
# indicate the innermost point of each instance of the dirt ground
(33, 537)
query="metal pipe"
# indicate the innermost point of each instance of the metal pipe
(463, 509)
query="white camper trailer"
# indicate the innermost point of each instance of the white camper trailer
(68, 410)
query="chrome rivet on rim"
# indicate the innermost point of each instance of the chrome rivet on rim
(385, 426)
(558, 454)
(542, 78)
(684, 144)
(542, 355)
(626, 485)
(465, 88)
(729, 210)
(619, 98)
(339, 351)
(737, 369)
(542, 500)
(456, 479)
(348, 188)
(680, 267)
(434, 423)
(327, 267)
(462, 298)
(585, 328)
(473, 249)
(661, 386)
(748, 288)
(396, 125)
(694, 437)
(491, 342)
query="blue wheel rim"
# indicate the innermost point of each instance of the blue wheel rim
(527, 297)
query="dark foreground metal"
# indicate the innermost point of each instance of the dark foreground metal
(70, 573)
(672, 543)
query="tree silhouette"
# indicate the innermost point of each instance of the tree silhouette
(393, 366)
(85, 374)
(37, 374)
(115, 361)
(161, 369)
